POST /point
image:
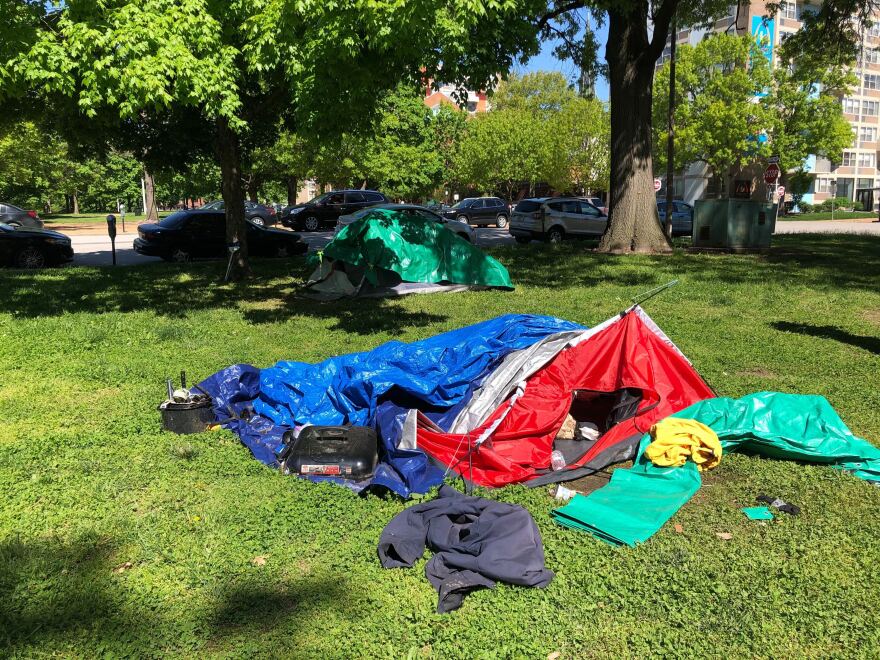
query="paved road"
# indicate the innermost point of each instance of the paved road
(94, 250)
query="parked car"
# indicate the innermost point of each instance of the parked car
(598, 203)
(461, 228)
(480, 211)
(18, 217)
(325, 209)
(555, 219)
(259, 214)
(25, 247)
(201, 233)
(682, 217)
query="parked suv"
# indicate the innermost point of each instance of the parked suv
(682, 217)
(325, 209)
(555, 219)
(480, 211)
(259, 214)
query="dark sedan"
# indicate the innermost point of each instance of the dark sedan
(19, 217)
(33, 248)
(201, 234)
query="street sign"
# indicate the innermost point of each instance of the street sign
(780, 190)
(657, 185)
(773, 160)
(771, 173)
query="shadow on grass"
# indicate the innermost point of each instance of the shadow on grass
(820, 261)
(175, 290)
(870, 344)
(250, 608)
(55, 592)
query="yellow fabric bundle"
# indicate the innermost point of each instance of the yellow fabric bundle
(674, 440)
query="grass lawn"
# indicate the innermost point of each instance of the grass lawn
(57, 219)
(119, 540)
(826, 215)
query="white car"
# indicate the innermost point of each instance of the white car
(461, 228)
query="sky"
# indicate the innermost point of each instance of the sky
(545, 61)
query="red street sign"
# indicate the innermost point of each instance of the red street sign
(771, 173)
(657, 185)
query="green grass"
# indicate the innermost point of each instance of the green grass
(826, 215)
(119, 540)
(55, 219)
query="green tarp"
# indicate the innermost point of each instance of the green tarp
(417, 250)
(638, 502)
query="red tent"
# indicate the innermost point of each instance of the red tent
(623, 375)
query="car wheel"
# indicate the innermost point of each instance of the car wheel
(31, 257)
(258, 221)
(555, 235)
(501, 221)
(522, 240)
(464, 219)
(181, 256)
(311, 223)
(464, 236)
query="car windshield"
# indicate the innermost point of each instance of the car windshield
(215, 206)
(174, 220)
(319, 198)
(463, 204)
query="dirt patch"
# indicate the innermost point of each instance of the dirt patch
(757, 372)
(872, 316)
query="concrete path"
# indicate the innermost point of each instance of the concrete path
(94, 250)
(827, 227)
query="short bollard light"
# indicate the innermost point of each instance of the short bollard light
(111, 231)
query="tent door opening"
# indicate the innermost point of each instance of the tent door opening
(602, 409)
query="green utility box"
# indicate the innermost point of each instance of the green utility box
(734, 224)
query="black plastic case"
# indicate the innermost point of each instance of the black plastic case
(349, 452)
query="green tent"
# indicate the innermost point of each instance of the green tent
(638, 502)
(386, 248)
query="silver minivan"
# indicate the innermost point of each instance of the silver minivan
(556, 218)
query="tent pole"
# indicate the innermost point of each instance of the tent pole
(647, 295)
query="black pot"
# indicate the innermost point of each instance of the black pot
(191, 417)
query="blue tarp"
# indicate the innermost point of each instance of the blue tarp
(375, 388)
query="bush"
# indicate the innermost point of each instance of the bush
(806, 207)
(857, 206)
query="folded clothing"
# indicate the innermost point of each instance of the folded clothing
(477, 542)
(675, 440)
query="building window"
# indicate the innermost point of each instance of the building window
(870, 108)
(844, 188)
(868, 133)
(789, 10)
(866, 160)
(872, 81)
(472, 106)
(874, 30)
(870, 56)
(850, 106)
(849, 159)
(823, 185)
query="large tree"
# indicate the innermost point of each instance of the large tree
(717, 119)
(328, 62)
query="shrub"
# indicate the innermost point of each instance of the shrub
(806, 207)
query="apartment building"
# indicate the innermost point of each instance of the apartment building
(852, 174)
(477, 102)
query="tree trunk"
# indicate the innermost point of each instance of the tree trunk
(150, 208)
(633, 225)
(75, 199)
(229, 155)
(292, 190)
(253, 188)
